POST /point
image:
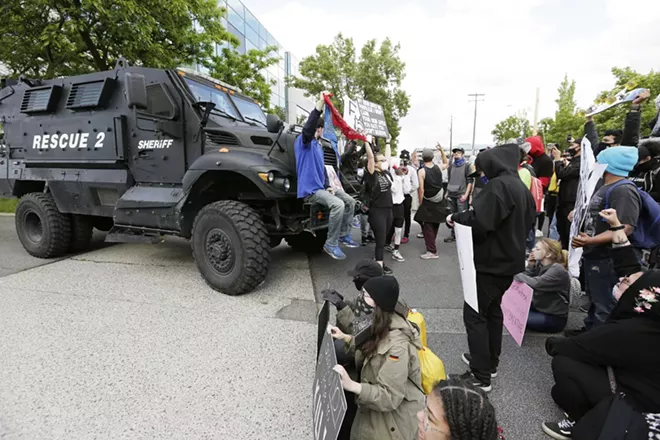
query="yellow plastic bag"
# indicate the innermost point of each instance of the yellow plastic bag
(433, 370)
(418, 318)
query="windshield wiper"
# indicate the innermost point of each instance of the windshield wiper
(224, 113)
(249, 118)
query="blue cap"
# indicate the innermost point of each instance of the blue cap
(619, 160)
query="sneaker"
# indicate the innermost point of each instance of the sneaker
(574, 332)
(467, 358)
(356, 223)
(562, 430)
(404, 240)
(584, 304)
(348, 242)
(389, 248)
(420, 235)
(334, 252)
(429, 256)
(371, 239)
(396, 256)
(468, 376)
(387, 270)
(450, 239)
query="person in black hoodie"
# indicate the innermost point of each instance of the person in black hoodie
(646, 174)
(568, 174)
(500, 218)
(627, 343)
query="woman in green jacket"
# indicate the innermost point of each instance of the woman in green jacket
(389, 393)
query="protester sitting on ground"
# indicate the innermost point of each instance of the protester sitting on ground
(500, 217)
(459, 187)
(646, 174)
(389, 394)
(457, 410)
(627, 343)
(546, 273)
(596, 238)
(431, 209)
(314, 186)
(379, 193)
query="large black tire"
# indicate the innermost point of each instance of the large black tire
(43, 230)
(231, 247)
(308, 243)
(82, 228)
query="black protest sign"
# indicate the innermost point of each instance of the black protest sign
(329, 399)
(323, 319)
(373, 118)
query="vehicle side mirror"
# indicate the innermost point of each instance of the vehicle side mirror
(136, 91)
(273, 123)
(208, 108)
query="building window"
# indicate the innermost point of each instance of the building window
(241, 39)
(274, 100)
(262, 43)
(252, 35)
(249, 46)
(252, 21)
(235, 19)
(237, 6)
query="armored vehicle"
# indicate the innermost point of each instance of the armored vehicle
(144, 153)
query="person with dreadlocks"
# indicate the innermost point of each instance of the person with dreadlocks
(389, 393)
(457, 410)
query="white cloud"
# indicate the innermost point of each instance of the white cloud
(487, 46)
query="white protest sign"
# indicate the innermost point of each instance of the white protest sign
(466, 263)
(590, 174)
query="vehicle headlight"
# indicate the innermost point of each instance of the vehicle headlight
(271, 177)
(287, 185)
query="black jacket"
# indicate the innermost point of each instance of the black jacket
(628, 342)
(630, 136)
(647, 177)
(502, 215)
(569, 177)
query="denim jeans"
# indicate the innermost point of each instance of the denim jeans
(342, 209)
(600, 279)
(544, 323)
(531, 238)
(455, 206)
(553, 233)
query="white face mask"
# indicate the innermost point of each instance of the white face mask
(384, 166)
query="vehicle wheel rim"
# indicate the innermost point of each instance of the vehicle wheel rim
(34, 228)
(220, 254)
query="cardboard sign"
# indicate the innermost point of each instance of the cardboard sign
(329, 399)
(322, 319)
(515, 307)
(466, 263)
(365, 116)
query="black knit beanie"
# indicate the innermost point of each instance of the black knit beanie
(384, 290)
(625, 261)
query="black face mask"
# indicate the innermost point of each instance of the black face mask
(359, 282)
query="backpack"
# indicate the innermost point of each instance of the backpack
(647, 232)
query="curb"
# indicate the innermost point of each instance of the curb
(6, 214)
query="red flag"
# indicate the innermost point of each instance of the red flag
(349, 132)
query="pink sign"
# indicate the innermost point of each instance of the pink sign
(515, 307)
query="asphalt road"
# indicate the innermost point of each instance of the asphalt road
(127, 341)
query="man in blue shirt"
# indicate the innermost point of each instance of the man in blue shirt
(314, 186)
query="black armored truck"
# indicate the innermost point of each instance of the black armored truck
(143, 153)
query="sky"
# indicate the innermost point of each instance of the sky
(505, 49)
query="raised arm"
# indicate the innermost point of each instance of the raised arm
(309, 129)
(371, 158)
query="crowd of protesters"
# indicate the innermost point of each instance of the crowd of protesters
(605, 373)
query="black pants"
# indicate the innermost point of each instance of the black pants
(398, 220)
(484, 329)
(563, 225)
(407, 213)
(578, 386)
(380, 220)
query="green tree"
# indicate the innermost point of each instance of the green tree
(376, 75)
(512, 127)
(246, 72)
(628, 79)
(568, 119)
(45, 38)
